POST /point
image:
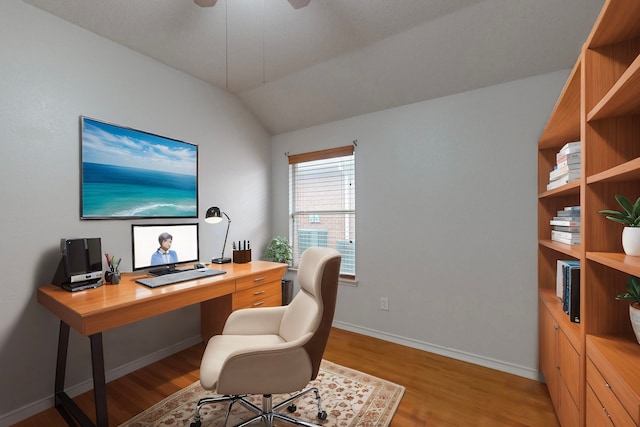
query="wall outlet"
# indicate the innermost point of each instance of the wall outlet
(384, 303)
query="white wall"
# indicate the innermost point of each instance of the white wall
(446, 220)
(51, 72)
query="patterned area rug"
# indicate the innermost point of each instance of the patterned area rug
(350, 398)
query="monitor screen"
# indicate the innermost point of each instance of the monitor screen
(82, 255)
(160, 247)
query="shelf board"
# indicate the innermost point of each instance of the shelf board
(617, 22)
(628, 171)
(616, 260)
(566, 190)
(622, 99)
(571, 250)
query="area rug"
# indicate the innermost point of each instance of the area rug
(350, 398)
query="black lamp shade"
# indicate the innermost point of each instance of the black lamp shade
(213, 215)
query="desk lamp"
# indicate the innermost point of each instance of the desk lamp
(214, 216)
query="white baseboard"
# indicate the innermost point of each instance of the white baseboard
(487, 362)
(77, 389)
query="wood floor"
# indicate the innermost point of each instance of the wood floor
(440, 392)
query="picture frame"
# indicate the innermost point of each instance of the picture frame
(128, 173)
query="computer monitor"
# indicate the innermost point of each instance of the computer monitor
(159, 247)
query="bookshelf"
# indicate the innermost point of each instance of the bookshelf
(592, 368)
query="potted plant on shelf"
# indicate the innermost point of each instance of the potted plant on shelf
(633, 295)
(630, 217)
(279, 250)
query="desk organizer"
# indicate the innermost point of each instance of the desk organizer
(241, 257)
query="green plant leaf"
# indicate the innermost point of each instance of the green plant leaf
(626, 205)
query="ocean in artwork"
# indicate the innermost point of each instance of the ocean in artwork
(118, 191)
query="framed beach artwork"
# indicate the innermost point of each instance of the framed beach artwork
(128, 173)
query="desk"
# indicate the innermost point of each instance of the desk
(93, 311)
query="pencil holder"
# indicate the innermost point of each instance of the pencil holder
(241, 257)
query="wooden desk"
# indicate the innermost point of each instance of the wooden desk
(93, 311)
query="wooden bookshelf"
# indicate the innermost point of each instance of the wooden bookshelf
(599, 106)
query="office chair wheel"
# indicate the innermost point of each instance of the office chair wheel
(292, 408)
(196, 424)
(322, 415)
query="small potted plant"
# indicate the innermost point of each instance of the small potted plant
(630, 217)
(279, 250)
(633, 295)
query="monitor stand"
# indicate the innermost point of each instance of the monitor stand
(167, 269)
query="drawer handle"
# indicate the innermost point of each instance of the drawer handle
(607, 385)
(258, 303)
(258, 293)
(259, 279)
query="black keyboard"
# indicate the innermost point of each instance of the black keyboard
(180, 276)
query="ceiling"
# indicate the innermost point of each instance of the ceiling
(336, 59)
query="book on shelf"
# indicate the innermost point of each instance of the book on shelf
(571, 209)
(567, 241)
(569, 158)
(570, 175)
(565, 170)
(565, 223)
(571, 147)
(573, 164)
(568, 287)
(566, 228)
(567, 237)
(572, 218)
(568, 214)
(560, 182)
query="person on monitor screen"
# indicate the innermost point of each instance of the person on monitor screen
(164, 254)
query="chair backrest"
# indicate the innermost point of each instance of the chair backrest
(313, 307)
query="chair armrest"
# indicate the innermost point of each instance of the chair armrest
(254, 321)
(282, 368)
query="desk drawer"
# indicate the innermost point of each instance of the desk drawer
(265, 295)
(258, 279)
(607, 397)
(597, 415)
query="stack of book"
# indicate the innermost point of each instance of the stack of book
(568, 165)
(566, 226)
(568, 287)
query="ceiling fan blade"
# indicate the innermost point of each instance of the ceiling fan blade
(205, 3)
(299, 4)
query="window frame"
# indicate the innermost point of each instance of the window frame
(331, 153)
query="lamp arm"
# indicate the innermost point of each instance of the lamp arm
(226, 234)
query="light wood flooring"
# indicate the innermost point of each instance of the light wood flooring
(440, 391)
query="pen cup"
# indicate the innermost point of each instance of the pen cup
(112, 277)
(242, 257)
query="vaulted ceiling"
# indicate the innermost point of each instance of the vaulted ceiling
(334, 59)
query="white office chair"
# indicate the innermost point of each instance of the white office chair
(274, 350)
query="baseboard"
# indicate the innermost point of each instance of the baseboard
(444, 351)
(77, 389)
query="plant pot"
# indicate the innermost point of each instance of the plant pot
(634, 316)
(287, 291)
(631, 241)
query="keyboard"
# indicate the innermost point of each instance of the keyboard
(181, 276)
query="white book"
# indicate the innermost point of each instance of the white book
(571, 147)
(575, 157)
(559, 173)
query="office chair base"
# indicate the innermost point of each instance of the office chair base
(267, 413)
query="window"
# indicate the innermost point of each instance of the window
(322, 203)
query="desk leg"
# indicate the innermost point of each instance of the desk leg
(69, 410)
